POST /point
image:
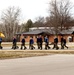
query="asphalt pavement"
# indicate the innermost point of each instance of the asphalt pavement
(59, 64)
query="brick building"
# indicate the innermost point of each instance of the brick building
(68, 34)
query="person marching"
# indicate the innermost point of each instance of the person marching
(64, 43)
(46, 40)
(40, 42)
(0, 43)
(56, 43)
(14, 43)
(31, 42)
(23, 43)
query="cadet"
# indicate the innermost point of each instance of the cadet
(40, 42)
(46, 40)
(56, 43)
(0, 43)
(31, 42)
(64, 44)
(23, 43)
(14, 43)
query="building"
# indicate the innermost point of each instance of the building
(67, 31)
(33, 32)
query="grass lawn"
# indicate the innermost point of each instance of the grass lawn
(8, 54)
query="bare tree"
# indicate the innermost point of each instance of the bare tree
(10, 21)
(1, 28)
(22, 27)
(39, 21)
(60, 13)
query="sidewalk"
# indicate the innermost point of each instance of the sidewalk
(9, 44)
(27, 43)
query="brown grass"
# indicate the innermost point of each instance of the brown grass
(7, 54)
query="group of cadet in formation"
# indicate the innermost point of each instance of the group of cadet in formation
(39, 42)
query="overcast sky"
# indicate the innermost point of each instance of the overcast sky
(30, 9)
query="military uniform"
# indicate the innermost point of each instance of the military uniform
(31, 42)
(14, 43)
(64, 44)
(46, 40)
(40, 42)
(23, 43)
(56, 43)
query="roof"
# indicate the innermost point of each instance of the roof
(46, 31)
(66, 32)
(37, 32)
(33, 32)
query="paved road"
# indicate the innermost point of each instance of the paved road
(43, 65)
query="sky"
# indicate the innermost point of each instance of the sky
(30, 9)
